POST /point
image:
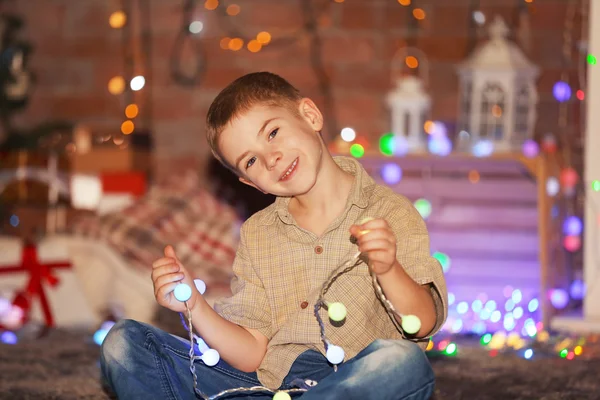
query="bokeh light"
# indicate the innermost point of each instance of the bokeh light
(211, 4)
(577, 289)
(439, 145)
(530, 148)
(561, 91)
(572, 226)
(391, 173)
(117, 19)
(357, 150)
(412, 62)
(254, 46)
(444, 260)
(127, 127)
(423, 207)
(474, 176)
(559, 298)
(137, 83)
(419, 13)
(263, 37)
(386, 144)
(483, 148)
(131, 111)
(572, 243)
(224, 43)
(236, 44)
(196, 27)
(568, 177)
(552, 186)
(348, 134)
(233, 9)
(116, 85)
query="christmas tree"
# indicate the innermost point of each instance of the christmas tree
(16, 85)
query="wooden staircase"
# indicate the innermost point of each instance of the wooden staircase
(490, 216)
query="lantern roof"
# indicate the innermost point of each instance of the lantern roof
(498, 53)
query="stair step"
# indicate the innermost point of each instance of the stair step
(484, 240)
(462, 189)
(464, 269)
(516, 216)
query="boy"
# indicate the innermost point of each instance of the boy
(266, 333)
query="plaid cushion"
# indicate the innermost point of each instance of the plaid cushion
(203, 230)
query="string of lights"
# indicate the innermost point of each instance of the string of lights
(187, 29)
(337, 312)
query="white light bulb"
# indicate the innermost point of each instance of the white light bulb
(211, 357)
(348, 134)
(137, 83)
(479, 17)
(200, 285)
(335, 354)
(196, 27)
(182, 292)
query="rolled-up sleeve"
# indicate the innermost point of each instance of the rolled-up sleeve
(414, 254)
(248, 305)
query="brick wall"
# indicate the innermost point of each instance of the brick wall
(77, 52)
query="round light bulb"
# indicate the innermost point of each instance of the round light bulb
(335, 354)
(411, 324)
(282, 396)
(183, 292)
(200, 285)
(337, 311)
(211, 357)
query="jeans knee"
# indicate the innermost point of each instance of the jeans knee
(120, 341)
(406, 357)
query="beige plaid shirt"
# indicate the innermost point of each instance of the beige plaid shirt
(280, 269)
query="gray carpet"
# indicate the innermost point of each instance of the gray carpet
(63, 365)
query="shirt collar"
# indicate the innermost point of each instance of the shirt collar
(360, 192)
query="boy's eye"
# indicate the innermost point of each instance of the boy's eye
(253, 159)
(273, 133)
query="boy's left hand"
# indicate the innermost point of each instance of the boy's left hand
(377, 239)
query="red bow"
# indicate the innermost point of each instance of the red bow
(38, 275)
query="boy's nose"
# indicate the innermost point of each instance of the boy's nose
(273, 159)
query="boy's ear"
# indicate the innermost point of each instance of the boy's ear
(249, 183)
(311, 114)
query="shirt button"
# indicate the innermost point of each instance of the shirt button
(318, 249)
(304, 304)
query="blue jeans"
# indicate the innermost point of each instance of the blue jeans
(140, 361)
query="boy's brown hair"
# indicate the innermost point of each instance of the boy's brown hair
(264, 88)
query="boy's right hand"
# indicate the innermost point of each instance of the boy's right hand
(167, 273)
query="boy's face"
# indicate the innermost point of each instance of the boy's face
(275, 150)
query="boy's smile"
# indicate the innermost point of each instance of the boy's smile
(290, 172)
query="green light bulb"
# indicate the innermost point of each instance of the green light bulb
(282, 396)
(411, 324)
(443, 259)
(564, 352)
(386, 144)
(485, 339)
(451, 349)
(356, 150)
(337, 312)
(423, 207)
(596, 186)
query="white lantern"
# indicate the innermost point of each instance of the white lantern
(498, 94)
(410, 107)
